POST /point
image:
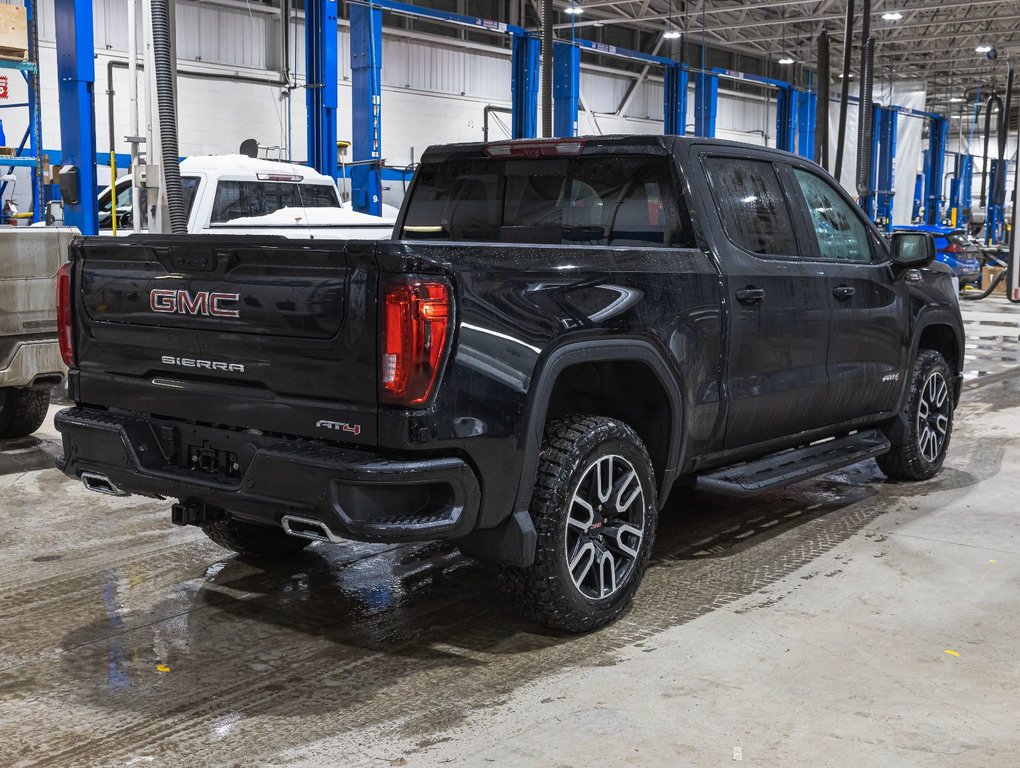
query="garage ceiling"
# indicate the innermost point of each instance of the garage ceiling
(934, 40)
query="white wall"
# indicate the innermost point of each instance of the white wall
(434, 90)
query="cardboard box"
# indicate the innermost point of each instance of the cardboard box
(13, 32)
(988, 274)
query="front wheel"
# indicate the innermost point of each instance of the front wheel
(921, 449)
(594, 511)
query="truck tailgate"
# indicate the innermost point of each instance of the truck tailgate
(264, 334)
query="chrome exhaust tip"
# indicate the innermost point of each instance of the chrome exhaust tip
(308, 528)
(94, 481)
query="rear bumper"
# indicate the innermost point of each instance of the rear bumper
(32, 360)
(356, 495)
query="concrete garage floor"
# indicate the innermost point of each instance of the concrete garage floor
(844, 621)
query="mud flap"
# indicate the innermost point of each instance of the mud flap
(512, 543)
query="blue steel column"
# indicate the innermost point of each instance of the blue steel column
(706, 103)
(76, 76)
(786, 121)
(806, 103)
(524, 86)
(566, 87)
(886, 127)
(321, 79)
(674, 100)
(937, 133)
(366, 108)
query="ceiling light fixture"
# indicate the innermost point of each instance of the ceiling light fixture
(892, 15)
(574, 10)
(671, 34)
(956, 99)
(983, 49)
(787, 59)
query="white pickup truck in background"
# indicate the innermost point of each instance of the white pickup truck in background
(30, 363)
(237, 194)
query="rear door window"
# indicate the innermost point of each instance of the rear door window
(754, 211)
(607, 200)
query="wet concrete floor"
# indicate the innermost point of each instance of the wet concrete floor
(845, 620)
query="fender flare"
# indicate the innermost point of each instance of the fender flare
(548, 371)
(932, 316)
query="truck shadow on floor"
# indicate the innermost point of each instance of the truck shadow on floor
(26, 454)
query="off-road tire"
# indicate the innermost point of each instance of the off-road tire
(906, 461)
(254, 540)
(22, 411)
(545, 592)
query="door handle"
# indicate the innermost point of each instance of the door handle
(843, 292)
(751, 295)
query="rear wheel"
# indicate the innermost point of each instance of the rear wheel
(594, 511)
(22, 411)
(921, 449)
(253, 539)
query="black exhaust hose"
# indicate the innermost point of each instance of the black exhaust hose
(547, 67)
(992, 100)
(865, 127)
(975, 295)
(1000, 190)
(844, 87)
(822, 102)
(166, 103)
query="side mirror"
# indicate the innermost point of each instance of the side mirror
(913, 249)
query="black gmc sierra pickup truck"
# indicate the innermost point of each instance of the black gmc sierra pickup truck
(559, 333)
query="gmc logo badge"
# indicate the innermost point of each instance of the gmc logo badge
(207, 303)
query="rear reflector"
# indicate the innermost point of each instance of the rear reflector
(540, 148)
(416, 329)
(64, 314)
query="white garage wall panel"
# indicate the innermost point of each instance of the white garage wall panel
(433, 91)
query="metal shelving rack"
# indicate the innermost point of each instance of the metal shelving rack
(29, 151)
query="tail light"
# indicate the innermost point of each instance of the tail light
(64, 314)
(416, 331)
(954, 248)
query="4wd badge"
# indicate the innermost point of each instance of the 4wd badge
(339, 426)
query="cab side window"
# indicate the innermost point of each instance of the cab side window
(840, 233)
(754, 211)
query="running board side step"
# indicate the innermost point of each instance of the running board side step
(781, 469)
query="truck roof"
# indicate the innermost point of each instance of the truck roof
(439, 151)
(243, 165)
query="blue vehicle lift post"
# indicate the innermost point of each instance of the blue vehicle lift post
(706, 103)
(566, 87)
(806, 105)
(366, 108)
(960, 187)
(76, 75)
(524, 86)
(786, 119)
(674, 100)
(938, 132)
(321, 84)
(885, 120)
